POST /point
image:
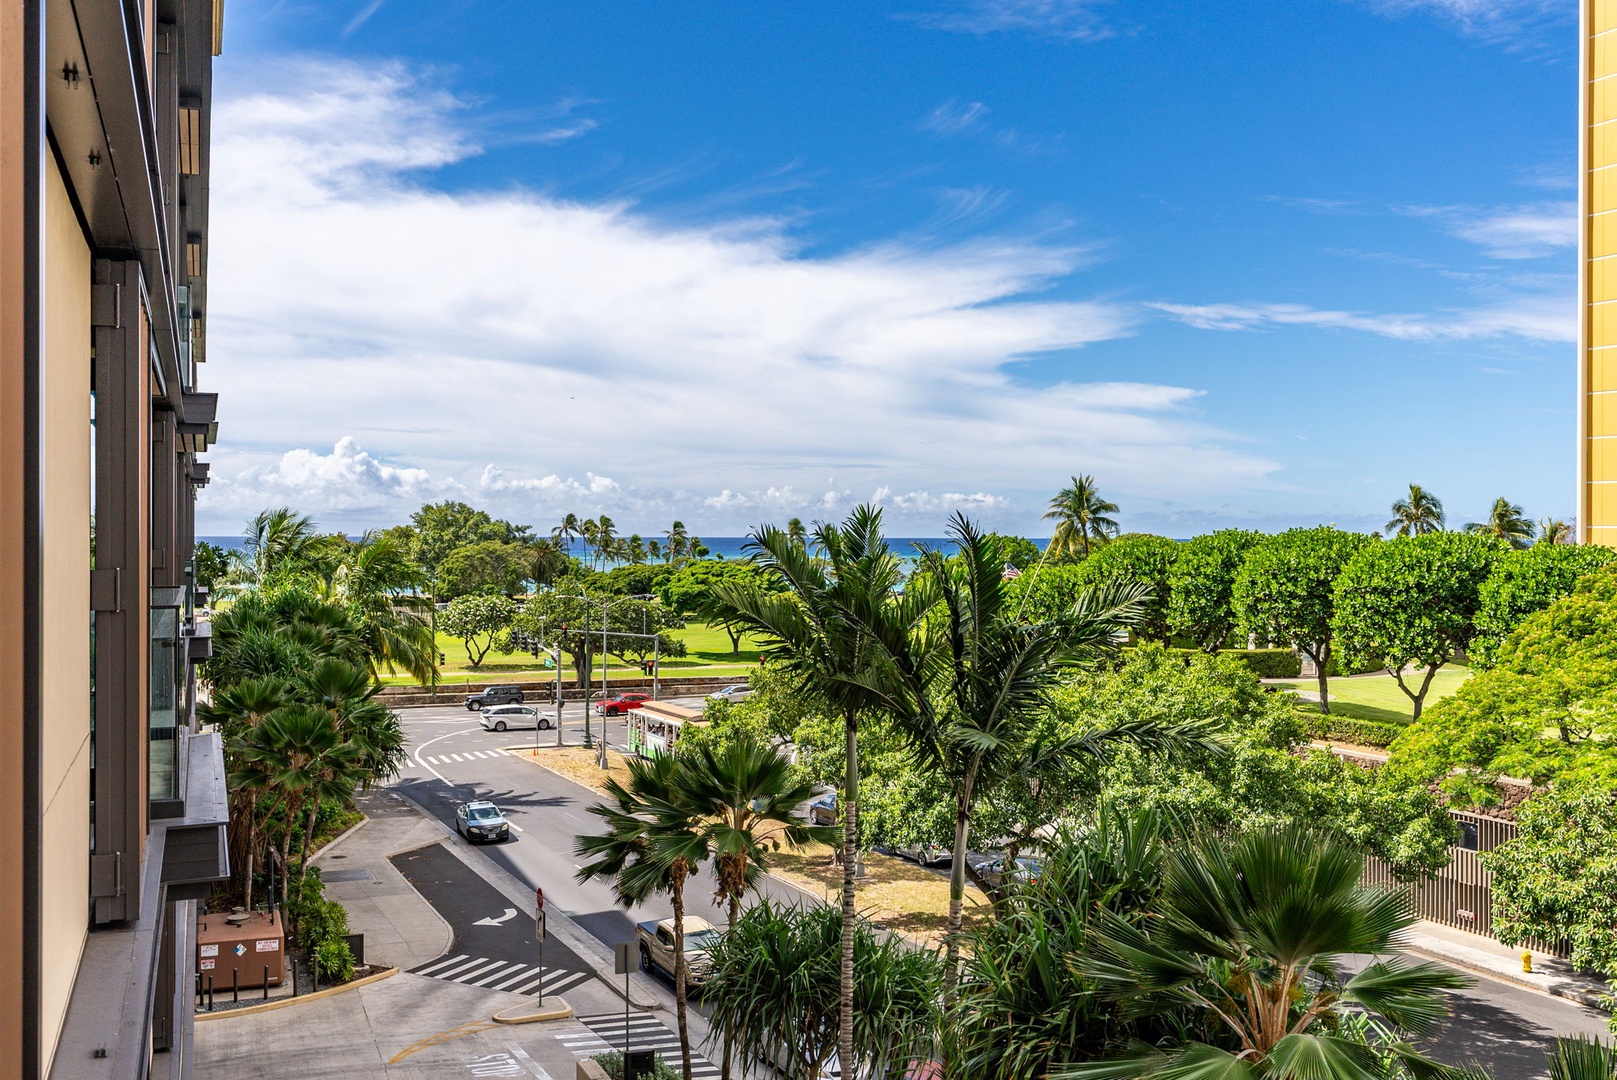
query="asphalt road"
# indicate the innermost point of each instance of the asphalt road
(1507, 1028)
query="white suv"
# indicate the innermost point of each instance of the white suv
(504, 717)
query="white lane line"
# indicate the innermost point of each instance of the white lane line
(429, 742)
(490, 966)
(501, 970)
(456, 757)
(517, 974)
(439, 964)
(457, 970)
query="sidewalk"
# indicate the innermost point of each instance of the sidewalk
(1488, 958)
(401, 929)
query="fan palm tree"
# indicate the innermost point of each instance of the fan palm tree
(746, 799)
(995, 675)
(235, 711)
(652, 844)
(1557, 531)
(840, 628)
(1082, 518)
(1416, 514)
(1583, 1058)
(1247, 933)
(1505, 521)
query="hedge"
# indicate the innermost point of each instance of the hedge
(1348, 729)
(1264, 663)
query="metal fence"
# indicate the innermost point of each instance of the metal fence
(1460, 894)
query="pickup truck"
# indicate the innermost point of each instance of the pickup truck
(656, 939)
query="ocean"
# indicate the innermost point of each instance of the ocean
(729, 547)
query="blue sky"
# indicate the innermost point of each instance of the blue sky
(1259, 264)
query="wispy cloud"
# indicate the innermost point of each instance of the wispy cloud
(362, 16)
(953, 117)
(1502, 21)
(1071, 20)
(1515, 232)
(751, 366)
(1320, 206)
(1544, 318)
(958, 205)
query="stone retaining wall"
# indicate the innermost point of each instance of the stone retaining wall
(398, 697)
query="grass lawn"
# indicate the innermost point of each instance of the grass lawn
(1377, 697)
(895, 893)
(707, 653)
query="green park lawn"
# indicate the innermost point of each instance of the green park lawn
(1377, 697)
(707, 654)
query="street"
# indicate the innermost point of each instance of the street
(1502, 1026)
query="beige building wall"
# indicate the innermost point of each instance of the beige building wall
(65, 747)
(1597, 277)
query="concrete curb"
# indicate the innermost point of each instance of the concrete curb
(283, 1003)
(550, 1008)
(364, 819)
(1567, 993)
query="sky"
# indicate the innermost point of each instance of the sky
(1259, 265)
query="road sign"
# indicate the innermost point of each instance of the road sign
(623, 958)
(539, 899)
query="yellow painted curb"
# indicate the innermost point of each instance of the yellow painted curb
(284, 1002)
(550, 1008)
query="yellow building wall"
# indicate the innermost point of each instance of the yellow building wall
(1597, 334)
(65, 747)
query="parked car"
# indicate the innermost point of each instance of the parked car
(823, 811)
(494, 695)
(481, 820)
(502, 717)
(925, 854)
(995, 872)
(613, 706)
(739, 692)
(656, 940)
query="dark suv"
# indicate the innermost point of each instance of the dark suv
(494, 695)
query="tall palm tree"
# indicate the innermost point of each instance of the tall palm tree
(840, 628)
(565, 532)
(235, 711)
(635, 550)
(1082, 518)
(1416, 514)
(796, 531)
(383, 588)
(606, 539)
(746, 799)
(1248, 933)
(278, 541)
(651, 845)
(994, 677)
(679, 542)
(549, 562)
(1505, 521)
(1557, 531)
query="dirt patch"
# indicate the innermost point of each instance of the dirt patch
(579, 765)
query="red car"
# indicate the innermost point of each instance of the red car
(613, 706)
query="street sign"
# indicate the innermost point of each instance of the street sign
(539, 898)
(623, 958)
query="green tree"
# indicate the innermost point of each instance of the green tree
(1285, 592)
(280, 546)
(549, 563)
(1408, 604)
(837, 626)
(775, 982)
(1416, 514)
(1556, 531)
(478, 621)
(382, 586)
(1082, 518)
(1556, 880)
(1506, 522)
(1524, 582)
(210, 563)
(690, 590)
(678, 543)
(651, 845)
(1019, 552)
(442, 527)
(745, 801)
(1141, 560)
(1201, 585)
(1252, 932)
(488, 566)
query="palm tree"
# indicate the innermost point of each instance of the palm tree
(606, 539)
(679, 542)
(1418, 513)
(995, 676)
(550, 561)
(1082, 518)
(746, 799)
(651, 845)
(1557, 531)
(1248, 933)
(564, 533)
(839, 627)
(775, 982)
(588, 531)
(1582, 1058)
(278, 541)
(1505, 521)
(635, 550)
(796, 532)
(235, 712)
(383, 589)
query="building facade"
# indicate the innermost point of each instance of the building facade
(1597, 276)
(112, 804)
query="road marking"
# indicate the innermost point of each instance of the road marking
(442, 1037)
(500, 973)
(448, 972)
(478, 970)
(454, 757)
(510, 913)
(438, 964)
(644, 1033)
(417, 752)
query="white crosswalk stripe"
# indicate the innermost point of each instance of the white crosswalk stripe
(644, 1033)
(438, 964)
(515, 978)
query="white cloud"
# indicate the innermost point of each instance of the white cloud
(953, 117)
(1493, 20)
(925, 502)
(1517, 232)
(347, 480)
(1073, 20)
(508, 341)
(1544, 318)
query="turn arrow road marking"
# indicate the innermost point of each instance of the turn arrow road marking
(510, 913)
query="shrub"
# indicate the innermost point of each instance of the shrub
(315, 920)
(1264, 663)
(334, 961)
(611, 1063)
(1332, 726)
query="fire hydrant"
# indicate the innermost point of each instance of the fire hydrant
(1527, 960)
